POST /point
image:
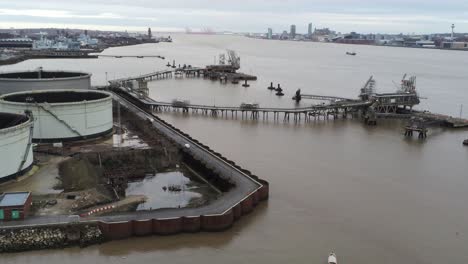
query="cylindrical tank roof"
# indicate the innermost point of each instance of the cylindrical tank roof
(55, 96)
(9, 121)
(41, 75)
(11, 82)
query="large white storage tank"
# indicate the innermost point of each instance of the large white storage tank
(16, 156)
(63, 115)
(11, 82)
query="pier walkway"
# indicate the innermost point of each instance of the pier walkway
(188, 71)
(144, 77)
(131, 56)
(334, 109)
(324, 97)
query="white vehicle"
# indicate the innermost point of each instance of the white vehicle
(332, 258)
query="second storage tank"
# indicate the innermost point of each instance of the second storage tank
(63, 115)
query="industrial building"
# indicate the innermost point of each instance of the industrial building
(292, 32)
(270, 33)
(15, 145)
(16, 43)
(43, 80)
(15, 205)
(63, 115)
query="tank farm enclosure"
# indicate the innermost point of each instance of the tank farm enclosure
(15, 145)
(63, 115)
(43, 80)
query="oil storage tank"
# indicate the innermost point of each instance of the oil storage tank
(63, 115)
(43, 80)
(16, 156)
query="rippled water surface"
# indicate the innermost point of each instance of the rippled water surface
(367, 193)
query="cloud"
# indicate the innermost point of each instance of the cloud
(386, 16)
(54, 14)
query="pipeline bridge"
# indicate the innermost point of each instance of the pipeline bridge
(342, 108)
(369, 104)
(180, 71)
(142, 78)
(130, 56)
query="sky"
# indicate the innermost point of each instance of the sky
(364, 16)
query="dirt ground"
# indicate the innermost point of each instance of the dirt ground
(80, 176)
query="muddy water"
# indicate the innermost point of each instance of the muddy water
(159, 194)
(366, 192)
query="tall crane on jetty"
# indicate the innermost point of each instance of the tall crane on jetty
(230, 66)
(226, 69)
(404, 99)
(234, 59)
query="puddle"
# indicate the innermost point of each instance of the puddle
(180, 191)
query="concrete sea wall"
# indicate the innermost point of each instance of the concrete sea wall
(184, 224)
(192, 223)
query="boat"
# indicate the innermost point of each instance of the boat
(140, 57)
(279, 93)
(332, 258)
(118, 57)
(351, 53)
(235, 81)
(465, 142)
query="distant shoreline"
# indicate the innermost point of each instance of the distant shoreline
(375, 45)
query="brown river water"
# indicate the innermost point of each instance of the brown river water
(368, 193)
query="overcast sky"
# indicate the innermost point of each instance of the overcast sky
(368, 16)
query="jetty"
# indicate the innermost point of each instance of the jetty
(297, 114)
(370, 105)
(130, 56)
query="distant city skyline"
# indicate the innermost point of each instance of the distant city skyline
(377, 16)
